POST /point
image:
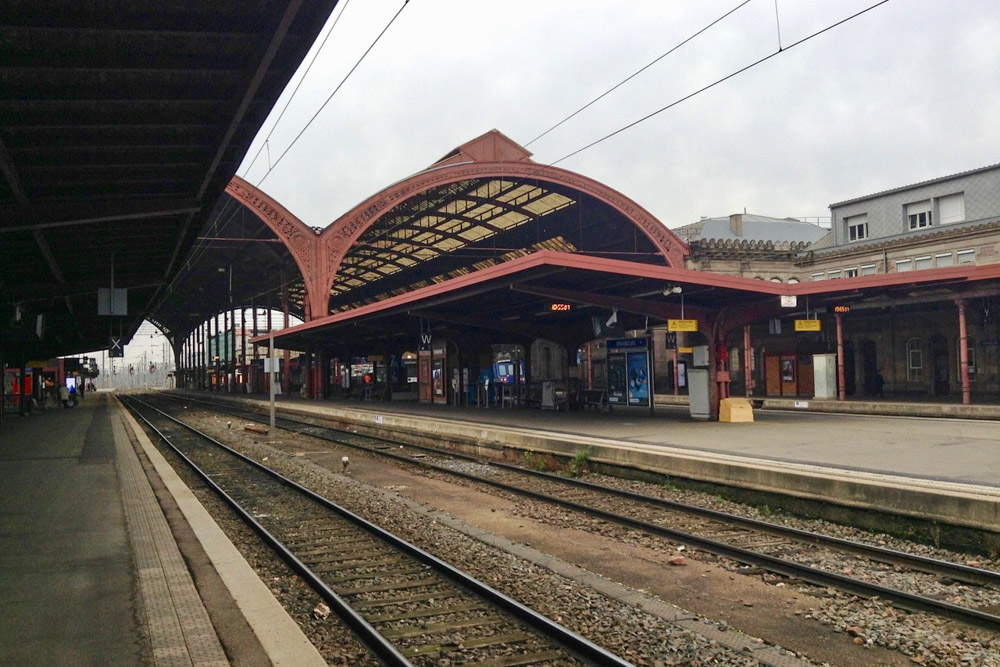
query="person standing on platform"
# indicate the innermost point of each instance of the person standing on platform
(64, 395)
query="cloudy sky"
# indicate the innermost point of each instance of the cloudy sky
(903, 93)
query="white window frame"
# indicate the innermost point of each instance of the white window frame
(851, 272)
(856, 227)
(919, 215)
(926, 260)
(938, 257)
(868, 270)
(914, 360)
(819, 276)
(835, 274)
(965, 257)
(904, 265)
(793, 281)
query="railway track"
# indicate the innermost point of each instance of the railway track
(764, 545)
(406, 605)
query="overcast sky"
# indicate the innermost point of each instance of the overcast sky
(906, 92)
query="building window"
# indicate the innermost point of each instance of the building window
(951, 209)
(965, 257)
(904, 265)
(851, 272)
(943, 259)
(921, 263)
(775, 280)
(919, 214)
(793, 281)
(914, 360)
(868, 270)
(833, 275)
(819, 276)
(971, 344)
(857, 227)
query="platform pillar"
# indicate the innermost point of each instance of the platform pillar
(677, 370)
(286, 378)
(963, 353)
(747, 375)
(841, 389)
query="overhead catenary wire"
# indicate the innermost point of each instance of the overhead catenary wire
(718, 81)
(295, 91)
(638, 72)
(200, 246)
(335, 90)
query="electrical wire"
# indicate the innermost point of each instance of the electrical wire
(298, 85)
(637, 72)
(339, 85)
(718, 81)
(195, 254)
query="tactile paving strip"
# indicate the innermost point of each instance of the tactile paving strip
(179, 627)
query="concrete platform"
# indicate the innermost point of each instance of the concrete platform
(920, 468)
(90, 572)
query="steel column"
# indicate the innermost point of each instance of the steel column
(963, 353)
(747, 376)
(841, 389)
(286, 378)
(270, 352)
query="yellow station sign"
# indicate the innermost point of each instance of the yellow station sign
(807, 325)
(682, 325)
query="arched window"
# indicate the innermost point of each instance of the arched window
(776, 280)
(792, 281)
(914, 360)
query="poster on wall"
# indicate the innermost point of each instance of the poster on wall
(437, 377)
(638, 378)
(787, 370)
(617, 382)
(629, 372)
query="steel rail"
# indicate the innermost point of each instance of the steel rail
(375, 642)
(806, 573)
(575, 643)
(925, 564)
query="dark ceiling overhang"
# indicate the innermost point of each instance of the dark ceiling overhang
(121, 123)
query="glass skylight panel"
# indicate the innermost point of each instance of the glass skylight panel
(425, 254)
(509, 219)
(474, 234)
(449, 244)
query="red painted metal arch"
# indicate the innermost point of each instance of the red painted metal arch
(337, 239)
(300, 239)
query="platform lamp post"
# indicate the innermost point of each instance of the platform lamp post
(676, 289)
(271, 360)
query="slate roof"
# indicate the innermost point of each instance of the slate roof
(760, 228)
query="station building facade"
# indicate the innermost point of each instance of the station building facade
(480, 248)
(898, 343)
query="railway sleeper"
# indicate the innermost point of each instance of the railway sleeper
(380, 575)
(424, 613)
(424, 629)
